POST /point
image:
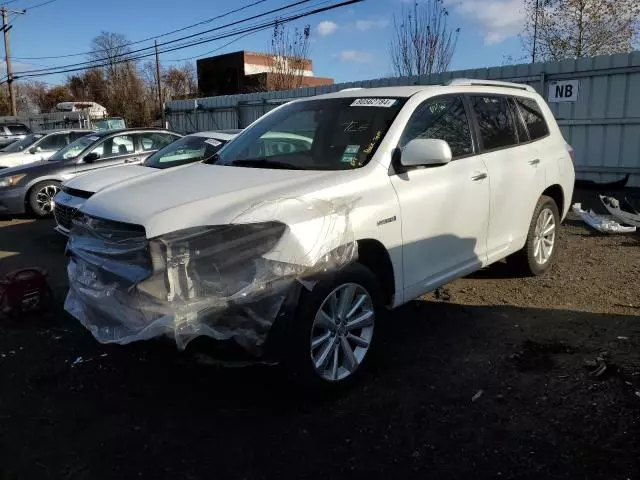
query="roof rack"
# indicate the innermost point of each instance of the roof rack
(489, 83)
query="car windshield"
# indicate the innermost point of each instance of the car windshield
(327, 134)
(22, 144)
(189, 149)
(74, 149)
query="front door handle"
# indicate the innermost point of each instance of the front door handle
(132, 160)
(478, 176)
(534, 162)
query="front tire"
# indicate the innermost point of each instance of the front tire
(332, 332)
(41, 197)
(539, 253)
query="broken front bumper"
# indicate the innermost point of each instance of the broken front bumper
(228, 282)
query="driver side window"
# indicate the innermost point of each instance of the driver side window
(443, 118)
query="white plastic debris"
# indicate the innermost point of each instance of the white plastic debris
(613, 206)
(477, 395)
(602, 223)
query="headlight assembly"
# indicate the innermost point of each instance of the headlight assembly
(11, 181)
(210, 261)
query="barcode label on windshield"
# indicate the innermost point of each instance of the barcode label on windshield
(213, 141)
(374, 102)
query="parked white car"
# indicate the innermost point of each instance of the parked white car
(37, 147)
(188, 149)
(296, 254)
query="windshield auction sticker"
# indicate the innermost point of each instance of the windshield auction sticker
(374, 102)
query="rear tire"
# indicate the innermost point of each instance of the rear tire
(331, 336)
(539, 253)
(41, 197)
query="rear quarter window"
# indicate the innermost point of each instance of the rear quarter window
(18, 129)
(533, 118)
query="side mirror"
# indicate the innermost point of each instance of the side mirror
(425, 151)
(91, 157)
(34, 150)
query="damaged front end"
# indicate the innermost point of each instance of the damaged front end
(227, 282)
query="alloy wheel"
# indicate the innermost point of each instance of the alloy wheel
(342, 332)
(44, 198)
(544, 236)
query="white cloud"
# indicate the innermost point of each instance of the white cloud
(368, 24)
(326, 27)
(498, 19)
(355, 56)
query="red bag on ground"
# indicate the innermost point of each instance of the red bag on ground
(25, 291)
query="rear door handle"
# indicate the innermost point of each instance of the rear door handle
(132, 160)
(534, 162)
(478, 176)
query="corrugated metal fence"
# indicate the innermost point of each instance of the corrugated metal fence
(595, 100)
(48, 121)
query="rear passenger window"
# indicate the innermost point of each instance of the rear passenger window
(497, 128)
(18, 129)
(443, 119)
(533, 118)
(155, 140)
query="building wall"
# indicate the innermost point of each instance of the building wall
(602, 122)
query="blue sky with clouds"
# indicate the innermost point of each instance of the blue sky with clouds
(347, 44)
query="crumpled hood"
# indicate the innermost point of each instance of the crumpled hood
(103, 177)
(202, 194)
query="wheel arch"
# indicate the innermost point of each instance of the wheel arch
(556, 192)
(373, 255)
(34, 183)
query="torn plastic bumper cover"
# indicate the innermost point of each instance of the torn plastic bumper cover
(225, 282)
(602, 223)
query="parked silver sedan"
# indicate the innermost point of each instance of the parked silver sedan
(36, 147)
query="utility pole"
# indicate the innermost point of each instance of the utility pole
(7, 50)
(535, 33)
(159, 84)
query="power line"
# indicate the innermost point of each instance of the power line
(90, 63)
(214, 50)
(40, 5)
(209, 20)
(235, 39)
(219, 37)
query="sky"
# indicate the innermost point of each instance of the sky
(347, 44)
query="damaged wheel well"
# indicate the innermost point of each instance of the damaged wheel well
(555, 192)
(373, 255)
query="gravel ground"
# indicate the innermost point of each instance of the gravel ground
(486, 381)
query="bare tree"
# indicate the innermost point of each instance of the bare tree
(422, 41)
(288, 57)
(109, 50)
(563, 29)
(179, 82)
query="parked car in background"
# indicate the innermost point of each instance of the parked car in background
(401, 190)
(32, 187)
(36, 147)
(12, 132)
(188, 149)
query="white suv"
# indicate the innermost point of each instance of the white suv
(293, 248)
